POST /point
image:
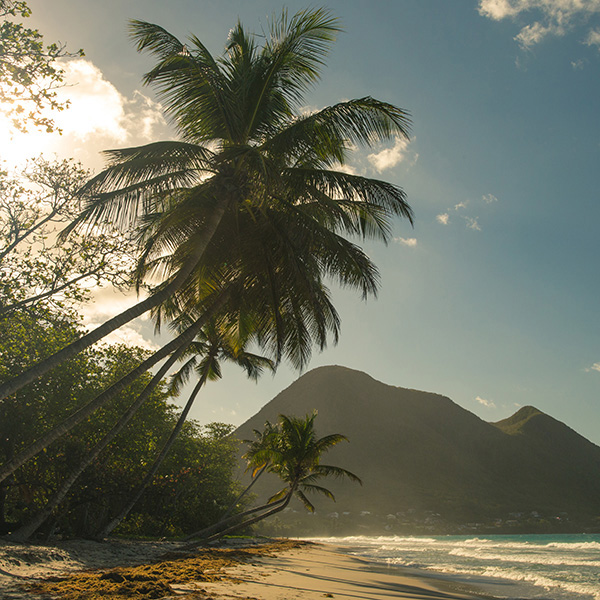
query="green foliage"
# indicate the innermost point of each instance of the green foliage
(35, 268)
(29, 73)
(193, 484)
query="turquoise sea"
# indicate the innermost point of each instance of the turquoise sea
(549, 567)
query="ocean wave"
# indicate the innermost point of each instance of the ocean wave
(388, 540)
(554, 560)
(559, 567)
(574, 545)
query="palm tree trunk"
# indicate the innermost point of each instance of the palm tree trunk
(25, 532)
(203, 533)
(246, 490)
(15, 384)
(106, 531)
(244, 524)
(84, 412)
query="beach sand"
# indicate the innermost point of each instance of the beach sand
(281, 570)
(317, 572)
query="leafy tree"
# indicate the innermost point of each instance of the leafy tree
(200, 458)
(37, 270)
(29, 72)
(293, 452)
(213, 345)
(247, 153)
(193, 486)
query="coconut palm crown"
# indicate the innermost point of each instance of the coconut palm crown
(293, 451)
(251, 156)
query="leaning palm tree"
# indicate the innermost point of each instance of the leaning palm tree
(258, 457)
(250, 191)
(211, 347)
(295, 454)
(245, 145)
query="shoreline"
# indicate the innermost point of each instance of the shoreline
(276, 570)
(326, 571)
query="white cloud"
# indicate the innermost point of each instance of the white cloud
(533, 34)
(498, 9)
(98, 117)
(347, 169)
(129, 336)
(550, 17)
(594, 367)
(107, 302)
(577, 64)
(411, 242)
(96, 104)
(484, 402)
(593, 38)
(489, 198)
(308, 110)
(473, 223)
(390, 157)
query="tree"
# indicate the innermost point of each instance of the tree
(246, 152)
(24, 416)
(213, 345)
(258, 214)
(29, 72)
(192, 486)
(36, 270)
(294, 454)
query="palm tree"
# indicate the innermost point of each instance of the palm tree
(294, 452)
(249, 197)
(258, 458)
(213, 345)
(245, 147)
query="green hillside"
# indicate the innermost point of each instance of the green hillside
(425, 459)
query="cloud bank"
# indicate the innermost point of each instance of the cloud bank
(98, 117)
(548, 17)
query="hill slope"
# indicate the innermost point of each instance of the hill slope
(420, 451)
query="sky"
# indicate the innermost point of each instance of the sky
(492, 299)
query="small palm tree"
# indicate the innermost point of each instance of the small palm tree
(292, 451)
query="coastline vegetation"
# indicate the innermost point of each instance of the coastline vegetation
(236, 228)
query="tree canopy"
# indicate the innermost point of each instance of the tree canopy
(29, 69)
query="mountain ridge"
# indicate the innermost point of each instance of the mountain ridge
(421, 451)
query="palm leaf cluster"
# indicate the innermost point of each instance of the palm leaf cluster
(248, 150)
(292, 450)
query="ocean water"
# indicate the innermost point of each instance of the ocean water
(549, 567)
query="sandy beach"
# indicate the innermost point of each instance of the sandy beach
(279, 570)
(320, 572)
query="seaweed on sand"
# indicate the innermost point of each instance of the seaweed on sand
(155, 580)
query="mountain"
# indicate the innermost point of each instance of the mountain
(421, 454)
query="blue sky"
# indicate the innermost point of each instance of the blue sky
(492, 298)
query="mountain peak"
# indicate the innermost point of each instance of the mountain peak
(420, 450)
(514, 425)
